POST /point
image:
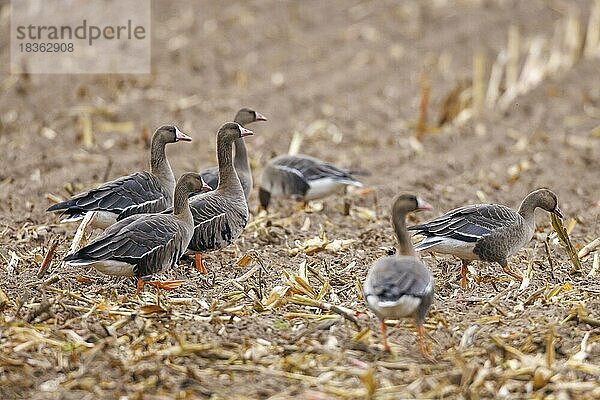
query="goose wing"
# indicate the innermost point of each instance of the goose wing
(282, 178)
(391, 278)
(148, 242)
(312, 168)
(468, 224)
(218, 220)
(136, 193)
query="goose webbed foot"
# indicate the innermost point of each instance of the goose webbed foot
(170, 284)
(200, 267)
(512, 273)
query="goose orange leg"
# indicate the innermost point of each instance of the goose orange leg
(165, 285)
(170, 284)
(200, 267)
(383, 327)
(139, 286)
(512, 273)
(422, 348)
(463, 275)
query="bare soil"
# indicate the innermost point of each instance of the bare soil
(347, 74)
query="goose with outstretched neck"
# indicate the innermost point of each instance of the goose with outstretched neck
(142, 245)
(220, 216)
(486, 232)
(210, 175)
(401, 286)
(141, 192)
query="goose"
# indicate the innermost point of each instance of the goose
(401, 286)
(142, 245)
(141, 192)
(302, 178)
(221, 215)
(486, 232)
(210, 175)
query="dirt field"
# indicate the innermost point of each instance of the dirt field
(347, 75)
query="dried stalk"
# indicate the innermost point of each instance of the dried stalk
(595, 265)
(80, 233)
(421, 128)
(48, 258)
(493, 90)
(573, 39)
(550, 347)
(512, 62)
(565, 240)
(588, 248)
(592, 37)
(87, 136)
(478, 81)
(344, 312)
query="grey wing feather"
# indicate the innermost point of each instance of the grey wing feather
(470, 223)
(312, 168)
(148, 242)
(393, 277)
(116, 196)
(148, 207)
(292, 180)
(217, 221)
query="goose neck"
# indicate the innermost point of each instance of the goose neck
(527, 209)
(159, 164)
(181, 205)
(227, 175)
(241, 156)
(404, 241)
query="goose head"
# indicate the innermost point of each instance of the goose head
(405, 203)
(247, 115)
(547, 200)
(231, 131)
(193, 183)
(170, 134)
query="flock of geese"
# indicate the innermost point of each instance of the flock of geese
(150, 221)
